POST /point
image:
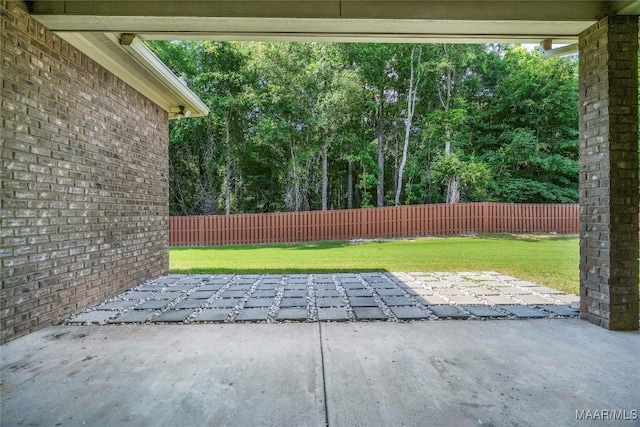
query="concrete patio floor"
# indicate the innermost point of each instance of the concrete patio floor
(542, 372)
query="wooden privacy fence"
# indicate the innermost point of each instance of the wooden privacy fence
(387, 222)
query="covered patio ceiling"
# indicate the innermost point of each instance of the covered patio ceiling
(453, 21)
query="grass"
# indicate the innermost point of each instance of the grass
(548, 260)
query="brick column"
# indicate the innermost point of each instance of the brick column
(609, 173)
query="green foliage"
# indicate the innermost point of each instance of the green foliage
(297, 126)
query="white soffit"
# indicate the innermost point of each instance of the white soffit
(140, 68)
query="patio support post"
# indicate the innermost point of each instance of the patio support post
(609, 173)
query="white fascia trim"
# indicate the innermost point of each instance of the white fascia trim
(140, 68)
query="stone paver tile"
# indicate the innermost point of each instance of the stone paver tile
(327, 293)
(382, 285)
(224, 303)
(292, 314)
(133, 317)
(215, 280)
(97, 316)
(423, 291)
(294, 293)
(293, 302)
(362, 302)
(253, 314)
(439, 284)
(450, 291)
(334, 313)
(409, 313)
(390, 292)
(566, 298)
(233, 294)
(397, 301)
(451, 311)
(201, 295)
(182, 287)
(168, 295)
(212, 315)
(465, 299)
(523, 283)
(267, 287)
(484, 291)
(258, 302)
(533, 299)
(431, 300)
(189, 303)
(191, 281)
(263, 293)
(296, 286)
(117, 305)
(154, 304)
(135, 295)
(355, 285)
(369, 313)
(329, 302)
(523, 311)
(500, 299)
(495, 284)
(173, 316)
(210, 288)
(560, 310)
(512, 290)
(483, 311)
(240, 287)
(358, 293)
(545, 290)
(151, 288)
(165, 281)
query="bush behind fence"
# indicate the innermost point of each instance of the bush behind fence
(387, 222)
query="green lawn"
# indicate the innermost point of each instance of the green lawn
(548, 260)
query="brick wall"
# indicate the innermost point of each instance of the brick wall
(84, 188)
(609, 173)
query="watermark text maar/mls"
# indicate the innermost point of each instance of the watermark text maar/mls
(606, 414)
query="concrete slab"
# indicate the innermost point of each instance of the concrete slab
(496, 373)
(332, 314)
(448, 311)
(362, 302)
(446, 373)
(117, 305)
(133, 317)
(212, 315)
(224, 303)
(369, 313)
(299, 314)
(165, 375)
(483, 311)
(407, 313)
(253, 314)
(189, 303)
(560, 310)
(523, 311)
(327, 293)
(154, 304)
(201, 294)
(464, 299)
(396, 301)
(172, 316)
(96, 316)
(389, 292)
(358, 293)
(258, 302)
(329, 302)
(293, 302)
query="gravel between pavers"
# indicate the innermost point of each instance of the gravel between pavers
(375, 296)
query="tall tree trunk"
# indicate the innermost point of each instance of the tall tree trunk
(411, 105)
(350, 185)
(325, 177)
(227, 177)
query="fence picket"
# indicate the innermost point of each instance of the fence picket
(387, 222)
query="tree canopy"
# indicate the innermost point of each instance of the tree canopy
(305, 126)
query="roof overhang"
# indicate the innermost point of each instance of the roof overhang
(96, 27)
(130, 60)
(462, 21)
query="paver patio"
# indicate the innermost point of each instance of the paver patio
(331, 297)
